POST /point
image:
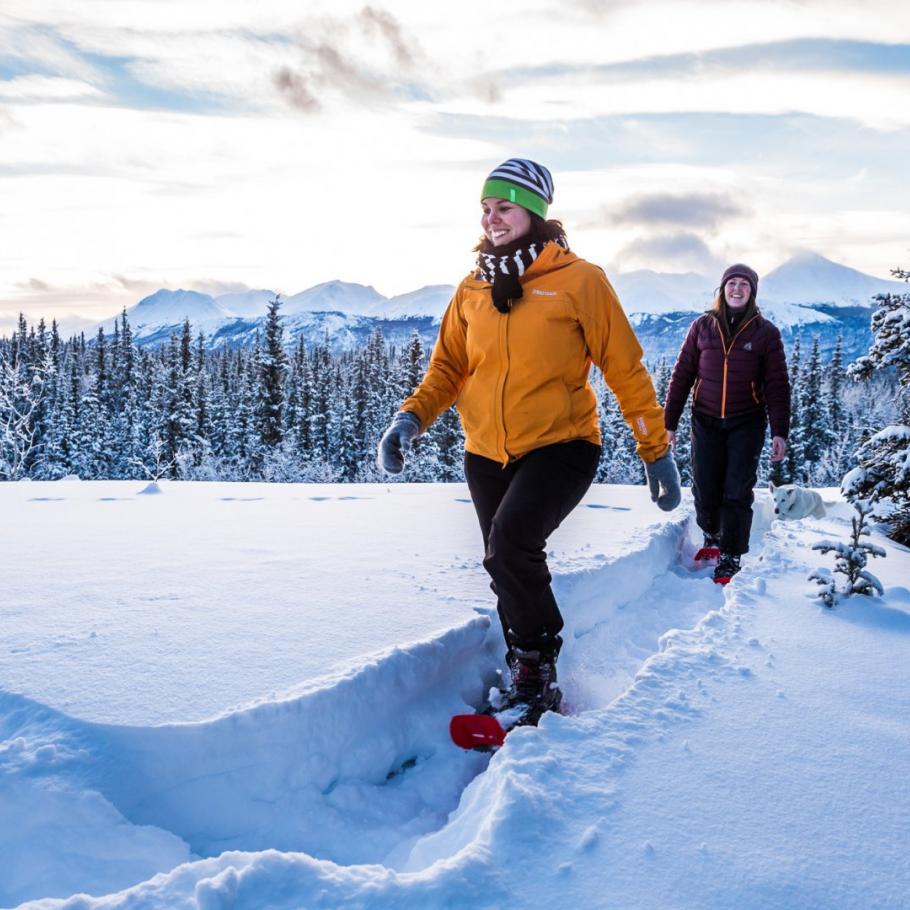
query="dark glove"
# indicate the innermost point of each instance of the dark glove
(663, 475)
(396, 441)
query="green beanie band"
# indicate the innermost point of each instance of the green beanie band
(502, 189)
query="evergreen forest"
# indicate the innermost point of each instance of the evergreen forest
(107, 408)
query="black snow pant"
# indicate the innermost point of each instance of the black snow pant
(518, 507)
(725, 454)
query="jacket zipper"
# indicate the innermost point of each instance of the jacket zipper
(723, 396)
(754, 393)
(697, 388)
(504, 342)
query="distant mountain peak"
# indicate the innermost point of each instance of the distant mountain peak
(808, 277)
(181, 295)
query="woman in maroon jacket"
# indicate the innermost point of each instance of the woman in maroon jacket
(735, 360)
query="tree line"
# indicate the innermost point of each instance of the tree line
(110, 409)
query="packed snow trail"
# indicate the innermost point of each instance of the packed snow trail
(353, 769)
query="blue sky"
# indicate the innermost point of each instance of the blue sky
(235, 145)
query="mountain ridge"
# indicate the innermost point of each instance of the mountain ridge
(808, 293)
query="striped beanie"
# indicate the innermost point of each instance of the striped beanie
(524, 182)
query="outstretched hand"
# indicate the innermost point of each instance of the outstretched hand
(663, 479)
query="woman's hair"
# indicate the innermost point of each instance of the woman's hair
(541, 231)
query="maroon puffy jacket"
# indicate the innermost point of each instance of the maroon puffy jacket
(731, 377)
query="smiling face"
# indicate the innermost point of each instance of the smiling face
(503, 221)
(737, 291)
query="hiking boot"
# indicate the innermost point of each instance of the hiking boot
(533, 687)
(726, 568)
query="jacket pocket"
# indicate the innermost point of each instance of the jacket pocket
(755, 393)
(695, 391)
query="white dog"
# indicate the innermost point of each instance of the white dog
(792, 502)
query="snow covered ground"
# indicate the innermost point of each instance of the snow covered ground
(237, 696)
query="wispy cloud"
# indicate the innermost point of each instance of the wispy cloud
(694, 210)
(678, 252)
(296, 89)
(46, 88)
(795, 55)
(362, 59)
(383, 23)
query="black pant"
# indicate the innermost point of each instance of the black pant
(519, 506)
(725, 455)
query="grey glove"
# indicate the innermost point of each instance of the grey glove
(662, 474)
(396, 441)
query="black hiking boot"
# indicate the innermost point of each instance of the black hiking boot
(726, 568)
(533, 687)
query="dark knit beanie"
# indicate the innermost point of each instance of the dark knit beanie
(741, 271)
(523, 182)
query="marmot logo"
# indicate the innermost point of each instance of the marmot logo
(544, 293)
(747, 346)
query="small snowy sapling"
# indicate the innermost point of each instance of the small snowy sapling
(850, 560)
(155, 464)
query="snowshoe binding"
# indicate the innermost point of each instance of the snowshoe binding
(532, 692)
(709, 551)
(726, 568)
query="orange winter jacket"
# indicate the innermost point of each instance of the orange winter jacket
(520, 379)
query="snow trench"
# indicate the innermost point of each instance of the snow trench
(355, 769)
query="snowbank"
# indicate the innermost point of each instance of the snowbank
(738, 747)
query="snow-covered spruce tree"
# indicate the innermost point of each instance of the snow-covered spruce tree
(683, 451)
(837, 374)
(816, 432)
(319, 394)
(791, 467)
(850, 560)
(882, 472)
(408, 371)
(273, 365)
(57, 442)
(619, 462)
(23, 387)
(449, 438)
(344, 445)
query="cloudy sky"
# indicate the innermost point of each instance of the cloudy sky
(281, 143)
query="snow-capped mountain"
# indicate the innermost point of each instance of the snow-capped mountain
(245, 304)
(810, 278)
(165, 308)
(334, 297)
(805, 297)
(655, 293)
(429, 301)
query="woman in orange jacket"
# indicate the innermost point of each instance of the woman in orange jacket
(514, 351)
